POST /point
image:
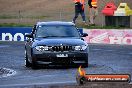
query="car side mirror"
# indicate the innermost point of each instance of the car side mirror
(29, 35)
(84, 34)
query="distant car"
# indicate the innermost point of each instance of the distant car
(56, 43)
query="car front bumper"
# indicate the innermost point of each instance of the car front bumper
(61, 58)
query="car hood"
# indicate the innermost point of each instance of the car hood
(57, 42)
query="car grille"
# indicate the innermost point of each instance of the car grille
(62, 48)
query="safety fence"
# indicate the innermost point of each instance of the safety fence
(21, 17)
(30, 12)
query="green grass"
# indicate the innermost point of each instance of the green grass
(15, 25)
(78, 25)
(7, 17)
(37, 17)
(101, 27)
(19, 16)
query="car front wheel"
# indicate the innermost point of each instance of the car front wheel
(34, 63)
(27, 63)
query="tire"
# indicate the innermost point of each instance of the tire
(34, 64)
(27, 63)
(85, 65)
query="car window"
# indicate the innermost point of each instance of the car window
(57, 31)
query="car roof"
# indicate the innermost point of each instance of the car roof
(55, 23)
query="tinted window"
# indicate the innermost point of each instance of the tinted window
(57, 31)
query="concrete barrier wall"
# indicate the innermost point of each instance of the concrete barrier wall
(14, 33)
(109, 36)
(105, 36)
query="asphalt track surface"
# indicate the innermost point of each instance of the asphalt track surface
(103, 59)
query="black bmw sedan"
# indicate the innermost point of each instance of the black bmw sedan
(56, 43)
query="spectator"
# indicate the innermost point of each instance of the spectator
(93, 12)
(79, 9)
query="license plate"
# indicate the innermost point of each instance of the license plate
(62, 55)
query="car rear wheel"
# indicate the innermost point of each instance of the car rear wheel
(85, 65)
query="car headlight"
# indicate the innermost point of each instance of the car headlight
(82, 47)
(42, 48)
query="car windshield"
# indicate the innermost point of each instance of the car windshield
(57, 31)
